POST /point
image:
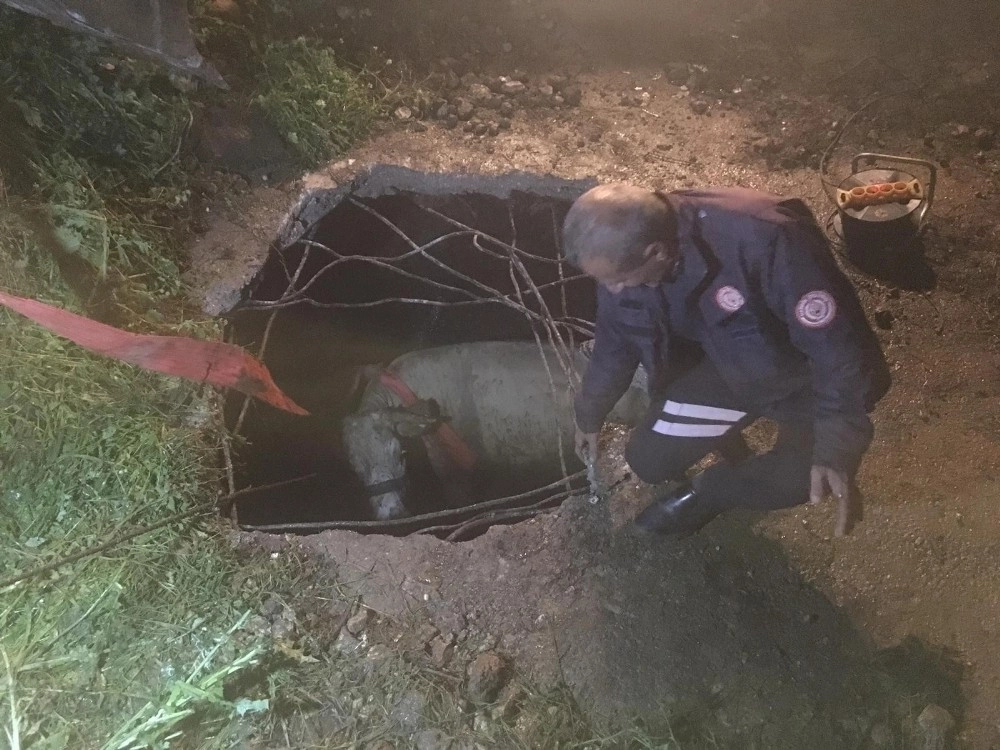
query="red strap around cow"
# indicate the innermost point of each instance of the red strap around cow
(458, 450)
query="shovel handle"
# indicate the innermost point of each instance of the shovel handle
(873, 158)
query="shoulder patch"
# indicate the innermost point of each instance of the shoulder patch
(729, 298)
(816, 309)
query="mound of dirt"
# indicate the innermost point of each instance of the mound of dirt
(716, 636)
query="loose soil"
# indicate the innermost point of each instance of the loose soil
(574, 595)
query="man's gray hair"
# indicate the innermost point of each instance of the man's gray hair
(616, 222)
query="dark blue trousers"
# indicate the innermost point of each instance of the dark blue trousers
(697, 414)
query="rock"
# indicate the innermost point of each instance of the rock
(546, 90)
(418, 127)
(508, 702)
(557, 82)
(882, 737)
(450, 122)
(506, 108)
(403, 114)
(283, 628)
(503, 123)
(408, 713)
(272, 606)
(960, 131)
(573, 95)
(347, 644)
(677, 73)
(558, 100)
(512, 87)
(884, 319)
(487, 674)
(492, 129)
(481, 128)
(464, 109)
(699, 106)
(442, 649)
(358, 622)
(470, 79)
(443, 111)
(480, 92)
(431, 739)
(936, 723)
(985, 138)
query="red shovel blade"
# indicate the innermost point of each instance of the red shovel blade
(214, 362)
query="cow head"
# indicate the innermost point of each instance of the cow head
(372, 440)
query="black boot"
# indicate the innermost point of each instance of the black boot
(678, 513)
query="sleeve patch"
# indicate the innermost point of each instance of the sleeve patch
(816, 309)
(729, 299)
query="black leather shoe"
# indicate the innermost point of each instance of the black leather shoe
(680, 512)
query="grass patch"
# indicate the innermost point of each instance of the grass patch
(145, 644)
(318, 105)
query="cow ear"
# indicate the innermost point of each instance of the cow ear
(420, 418)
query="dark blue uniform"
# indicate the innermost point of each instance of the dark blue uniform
(782, 336)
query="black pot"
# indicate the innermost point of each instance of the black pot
(884, 227)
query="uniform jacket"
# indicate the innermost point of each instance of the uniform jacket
(760, 293)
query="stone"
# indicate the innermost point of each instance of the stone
(558, 100)
(443, 111)
(408, 713)
(403, 113)
(557, 82)
(960, 131)
(450, 122)
(506, 108)
(512, 87)
(677, 73)
(358, 622)
(418, 127)
(442, 650)
(492, 129)
(546, 90)
(699, 106)
(509, 702)
(936, 723)
(985, 138)
(884, 319)
(573, 95)
(503, 123)
(480, 92)
(469, 79)
(469, 126)
(486, 676)
(464, 109)
(481, 128)
(272, 606)
(882, 737)
(431, 739)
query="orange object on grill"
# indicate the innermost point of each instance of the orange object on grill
(879, 193)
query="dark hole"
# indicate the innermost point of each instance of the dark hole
(354, 312)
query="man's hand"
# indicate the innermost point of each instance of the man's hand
(586, 446)
(824, 481)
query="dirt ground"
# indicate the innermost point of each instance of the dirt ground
(573, 595)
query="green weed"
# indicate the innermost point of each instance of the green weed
(318, 105)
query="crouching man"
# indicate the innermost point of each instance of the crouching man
(732, 301)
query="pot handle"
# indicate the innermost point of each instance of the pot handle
(872, 158)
